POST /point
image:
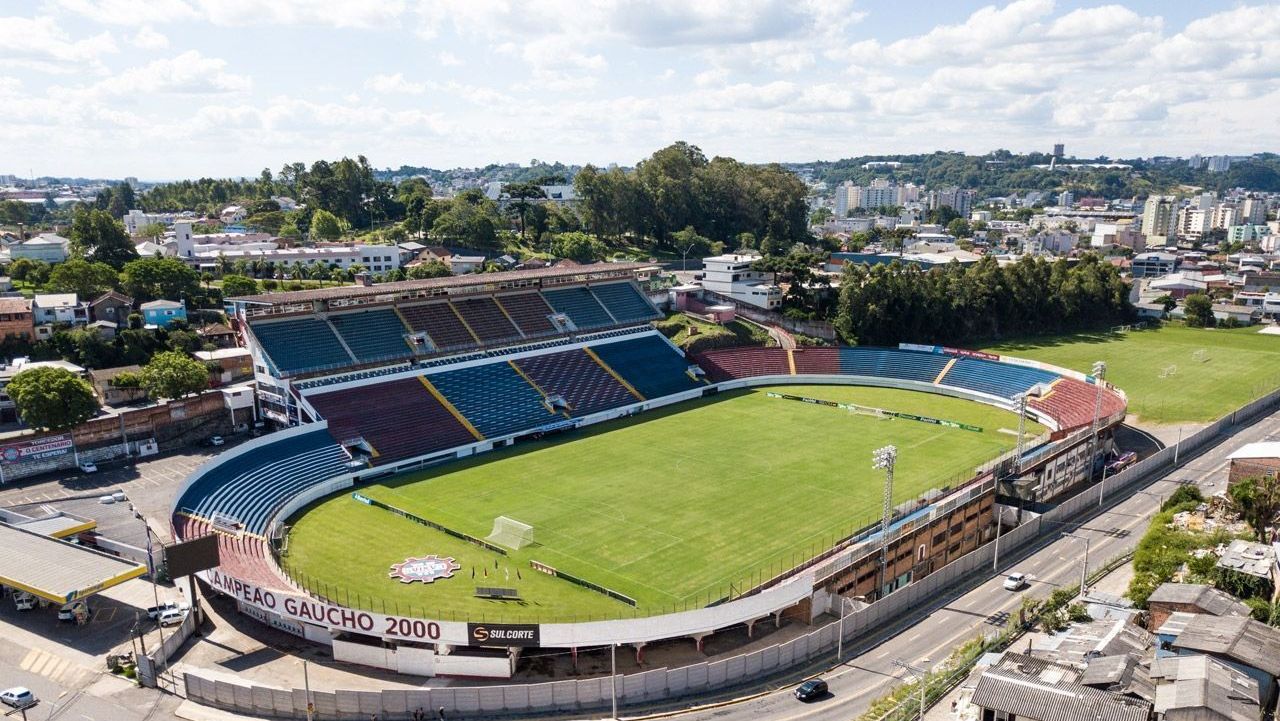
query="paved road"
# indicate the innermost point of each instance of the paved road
(868, 675)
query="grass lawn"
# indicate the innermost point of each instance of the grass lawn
(1236, 366)
(668, 508)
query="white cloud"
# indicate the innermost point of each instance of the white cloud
(393, 85)
(448, 59)
(148, 39)
(41, 43)
(189, 73)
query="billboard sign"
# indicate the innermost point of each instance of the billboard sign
(36, 450)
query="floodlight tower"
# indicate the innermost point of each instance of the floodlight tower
(884, 458)
(1099, 370)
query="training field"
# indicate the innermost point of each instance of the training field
(1171, 374)
(668, 508)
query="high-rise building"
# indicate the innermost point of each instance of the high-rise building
(842, 199)
(1223, 216)
(1219, 163)
(1158, 216)
(1195, 162)
(1194, 223)
(1065, 199)
(1253, 211)
(958, 199)
(1204, 201)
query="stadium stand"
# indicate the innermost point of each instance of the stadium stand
(820, 361)
(372, 335)
(723, 364)
(251, 486)
(649, 364)
(530, 312)
(486, 320)
(244, 557)
(1071, 402)
(625, 302)
(892, 363)
(580, 305)
(997, 379)
(494, 398)
(297, 345)
(584, 384)
(399, 419)
(440, 324)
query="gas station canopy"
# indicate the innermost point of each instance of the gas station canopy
(56, 570)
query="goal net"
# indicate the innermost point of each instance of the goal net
(511, 533)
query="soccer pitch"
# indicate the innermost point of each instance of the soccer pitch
(669, 507)
(1172, 374)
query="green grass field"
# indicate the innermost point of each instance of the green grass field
(1238, 365)
(668, 508)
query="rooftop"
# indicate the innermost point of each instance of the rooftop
(1203, 682)
(57, 570)
(160, 304)
(1035, 689)
(15, 305)
(56, 300)
(1243, 640)
(1204, 597)
(1255, 559)
(1264, 449)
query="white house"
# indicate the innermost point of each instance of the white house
(59, 308)
(731, 275)
(232, 214)
(47, 247)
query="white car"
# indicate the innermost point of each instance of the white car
(88, 467)
(70, 611)
(18, 697)
(155, 612)
(172, 617)
(1015, 581)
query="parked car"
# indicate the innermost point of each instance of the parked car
(154, 612)
(216, 441)
(89, 467)
(18, 697)
(814, 688)
(70, 611)
(24, 601)
(1015, 581)
(172, 617)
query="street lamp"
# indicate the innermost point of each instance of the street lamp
(884, 458)
(844, 602)
(921, 673)
(1084, 567)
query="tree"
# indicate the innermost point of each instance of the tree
(325, 226)
(1257, 500)
(1167, 302)
(20, 269)
(13, 212)
(1199, 311)
(154, 231)
(52, 398)
(173, 375)
(821, 215)
(85, 279)
(98, 236)
(152, 278)
(960, 228)
(430, 269)
(579, 247)
(471, 219)
(521, 194)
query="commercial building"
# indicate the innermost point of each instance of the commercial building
(1153, 265)
(45, 247)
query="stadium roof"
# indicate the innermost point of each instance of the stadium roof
(57, 570)
(456, 281)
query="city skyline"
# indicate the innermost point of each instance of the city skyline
(190, 88)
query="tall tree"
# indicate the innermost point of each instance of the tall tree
(1199, 310)
(522, 195)
(168, 278)
(85, 279)
(101, 238)
(325, 226)
(52, 398)
(173, 375)
(1257, 500)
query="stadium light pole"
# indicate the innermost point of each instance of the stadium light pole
(884, 458)
(1022, 428)
(1099, 370)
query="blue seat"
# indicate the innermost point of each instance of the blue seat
(580, 305)
(576, 377)
(624, 302)
(997, 379)
(373, 335)
(649, 364)
(493, 397)
(253, 485)
(892, 363)
(296, 345)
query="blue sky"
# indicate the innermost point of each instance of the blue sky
(185, 88)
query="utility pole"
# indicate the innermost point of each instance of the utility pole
(306, 684)
(921, 673)
(840, 637)
(613, 677)
(1099, 370)
(995, 557)
(884, 458)
(1084, 567)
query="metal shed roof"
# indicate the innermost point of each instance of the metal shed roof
(57, 570)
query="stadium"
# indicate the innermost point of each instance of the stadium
(475, 465)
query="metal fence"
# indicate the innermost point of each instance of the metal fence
(880, 619)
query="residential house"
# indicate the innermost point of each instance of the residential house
(1200, 688)
(48, 308)
(113, 395)
(111, 306)
(1023, 687)
(45, 247)
(1240, 314)
(232, 214)
(218, 334)
(161, 313)
(1256, 561)
(1171, 598)
(104, 328)
(732, 276)
(462, 264)
(1265, 282)
(16, 319)
(1254, 459)
(227, 365)
(1242, 643)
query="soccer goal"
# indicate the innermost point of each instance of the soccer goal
(1201, 356)
(511, 533)
(1169, 371)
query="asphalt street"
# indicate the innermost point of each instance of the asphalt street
(862, 678)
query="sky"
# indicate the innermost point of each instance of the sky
(165, 89)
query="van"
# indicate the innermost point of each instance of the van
(24, 601)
